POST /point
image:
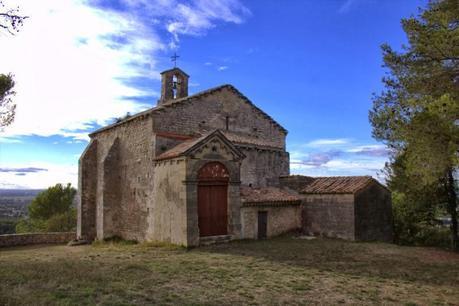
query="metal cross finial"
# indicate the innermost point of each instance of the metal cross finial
(174, 59)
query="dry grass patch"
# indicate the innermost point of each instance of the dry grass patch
(278, 271)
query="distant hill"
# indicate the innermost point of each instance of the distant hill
(20, 192)
(14, 202)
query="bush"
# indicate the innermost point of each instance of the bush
(30, 226)
(428, 235)
(7, 226)
(65, 222)
(415, 225)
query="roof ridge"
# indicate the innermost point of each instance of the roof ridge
(159, 107)
(198, 94)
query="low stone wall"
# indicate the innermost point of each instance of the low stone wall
(35, 238)
(329, 215)
(281, 219)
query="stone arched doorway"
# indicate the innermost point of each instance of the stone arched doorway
(213, 180)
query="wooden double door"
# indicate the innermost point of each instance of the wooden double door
(213, 200)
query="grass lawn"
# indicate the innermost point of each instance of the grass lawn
(279, 271)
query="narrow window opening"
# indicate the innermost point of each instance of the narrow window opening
(227, 123)
(174, 86)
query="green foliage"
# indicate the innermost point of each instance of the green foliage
(417, 113)
(415, 223)
(55, 200)
(63, 222)
(51, 211)
(30, 226)
(7, 226)
(113, 241)
(7, 107)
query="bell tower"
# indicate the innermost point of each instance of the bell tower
(174, 85)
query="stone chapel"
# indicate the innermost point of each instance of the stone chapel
(210, 167)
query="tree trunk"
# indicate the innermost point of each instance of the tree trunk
(452, 210)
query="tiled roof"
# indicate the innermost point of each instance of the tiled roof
(191, 97)
(180, 148)
(183, 147)
(268, 196)
(174, 136)
(337, 184)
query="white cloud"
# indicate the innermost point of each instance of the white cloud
(336, 167)
(222, 68)
(370, 150)
(67, 71)
(41, 179)
(193, 17)
(9, 140)
(68, 60)
(327, 142)
(346, 6)
(339, 156)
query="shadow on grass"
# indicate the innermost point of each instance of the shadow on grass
(357, 259)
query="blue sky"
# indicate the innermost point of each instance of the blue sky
(312, 65)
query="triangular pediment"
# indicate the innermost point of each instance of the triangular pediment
(214, 146)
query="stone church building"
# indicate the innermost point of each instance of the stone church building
(213, 167)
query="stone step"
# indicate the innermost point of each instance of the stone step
(214, 239)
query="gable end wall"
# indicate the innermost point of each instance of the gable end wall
(373, 214)
(329, 215)
(262, 166)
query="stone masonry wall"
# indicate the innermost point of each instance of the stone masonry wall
(135, 171)
(87, 185)
(329, 215)
(373, 214)
(35, 238)
(168, 218)
(209, 113)
(295, 182)
(263, 165)
(112, 193)
(262, 168)
(281, 220)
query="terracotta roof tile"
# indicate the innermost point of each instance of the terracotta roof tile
(183, 147)
(268, 196)
(180, 148)
(337, 184)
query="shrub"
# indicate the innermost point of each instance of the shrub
(30, 226)
(415, 225)
(64, 222)
(7, 226)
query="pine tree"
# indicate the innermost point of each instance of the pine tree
(417, 114)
